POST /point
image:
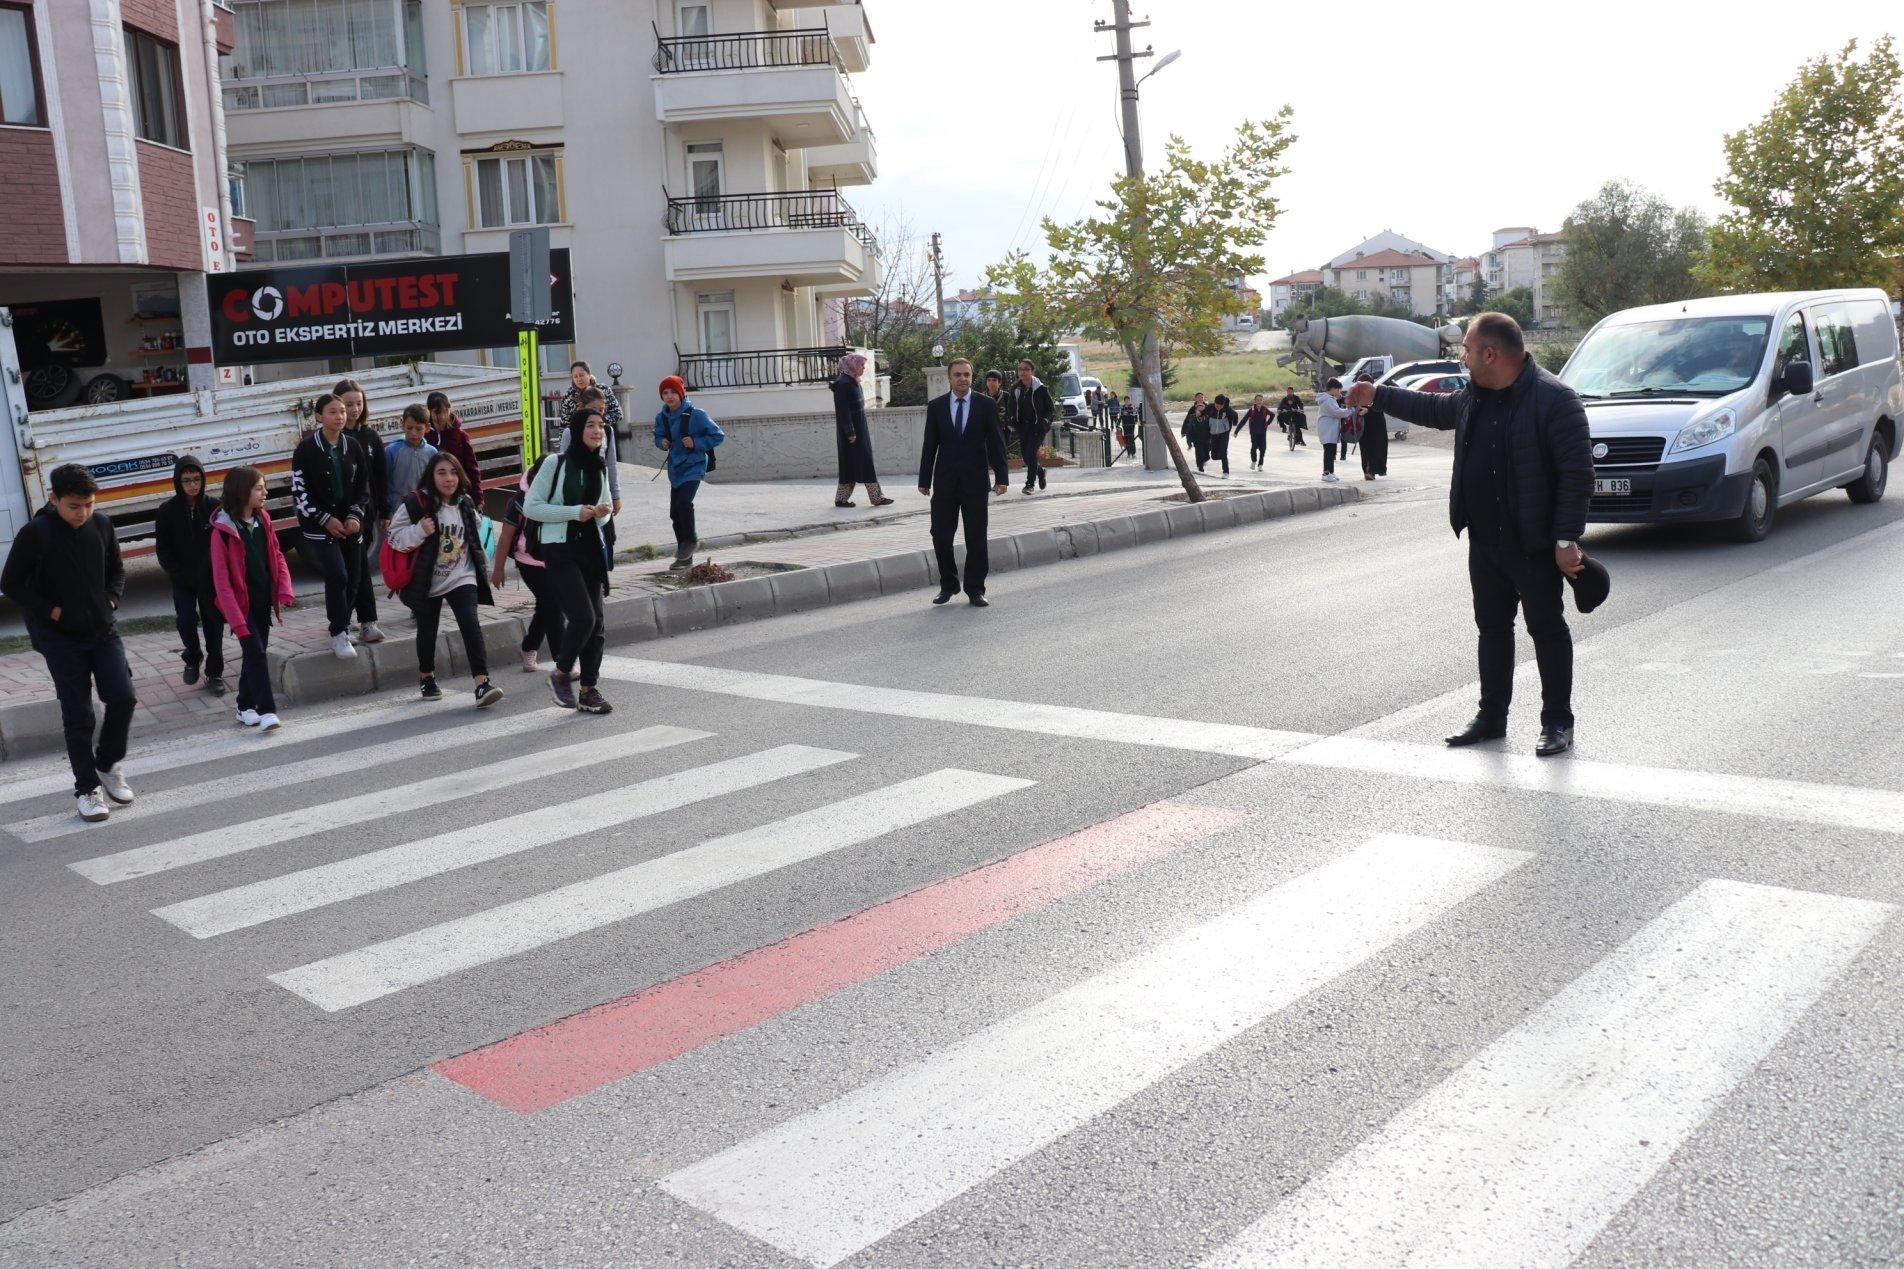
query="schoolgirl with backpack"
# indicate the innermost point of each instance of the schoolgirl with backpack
(568, 502)
(516, 540)
(434, 556)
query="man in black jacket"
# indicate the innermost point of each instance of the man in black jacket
(1523, 474)
(963, 446)
(1027, 408)
(181, 537)
(65, 573)
(330, 487)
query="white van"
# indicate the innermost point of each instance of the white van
(1726, 409)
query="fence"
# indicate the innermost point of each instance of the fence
(747, 51)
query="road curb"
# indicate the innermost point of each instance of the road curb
(30, 728)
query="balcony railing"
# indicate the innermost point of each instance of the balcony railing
(747, 51)
(814, 209)
(321, 90)
(415, 238)
(769, 368)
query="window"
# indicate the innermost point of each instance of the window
(704, 175)
(20, 103)
(1837, 346)
(501, 39)
(692, 19)
(1361, 275)
(329, 190)
(717, 322)
(158, 108)
(518, 190)
(235, 183)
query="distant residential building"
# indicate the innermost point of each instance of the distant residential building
(967, 305)
(1402, 279)
(1285, 291)
(1458, 284)
(1249, 303)
(1388, 240)
(1524, 257)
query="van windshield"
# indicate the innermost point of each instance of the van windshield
(1680, 356)
(1069, 386)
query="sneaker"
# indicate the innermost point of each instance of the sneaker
(340, 647)
(370, 633)
(247, 718)
(681, 564)
(93, 807)
(1330, 476)
(113, 781)
(564, 690)
(431, 692)
(529, 663)
(268, 722)
(487, 694)
(216, 685)
(191, 673)
(591, 702)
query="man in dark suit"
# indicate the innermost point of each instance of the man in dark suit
(963, 447)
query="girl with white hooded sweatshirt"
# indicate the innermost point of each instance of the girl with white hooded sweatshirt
(1330, 415)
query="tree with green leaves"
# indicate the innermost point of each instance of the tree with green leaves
(1626, 246)
(1324, 301)
(1517, 304)
(1817, 185)
(1150, 271)
(1476, 298)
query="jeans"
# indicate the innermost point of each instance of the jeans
(75, 665)
(547, 621)
(1029, 439)
(1503, 580)
(1328, 457)
(681, 511)
(584, 632)
(1220, 449)
(365, 596)
(462, 602)
(254, 674)
(339, 559)
(193, 610)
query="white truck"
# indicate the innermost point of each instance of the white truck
(131, 446)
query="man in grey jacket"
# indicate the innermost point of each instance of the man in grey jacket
(1523, 474)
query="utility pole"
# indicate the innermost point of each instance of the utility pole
(938, 281)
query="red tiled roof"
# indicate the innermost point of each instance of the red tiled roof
(1389, 260)
(1297, 279)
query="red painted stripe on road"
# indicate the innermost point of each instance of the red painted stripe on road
(549, 1065)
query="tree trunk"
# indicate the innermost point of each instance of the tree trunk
(1146, 364)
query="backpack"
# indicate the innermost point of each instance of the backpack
(399, 567)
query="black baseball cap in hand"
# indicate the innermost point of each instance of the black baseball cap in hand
(1591, 587)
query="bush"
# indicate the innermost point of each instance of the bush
(1553, 356)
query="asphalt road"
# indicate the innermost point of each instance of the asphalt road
(1138, 919)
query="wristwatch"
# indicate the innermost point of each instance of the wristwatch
(1564, 545)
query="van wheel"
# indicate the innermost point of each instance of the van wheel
(1761, 504)
(1869, 487)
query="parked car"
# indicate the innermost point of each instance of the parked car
(1433, 383)
(1726, 409)
(1415, 369)
(1070, 395)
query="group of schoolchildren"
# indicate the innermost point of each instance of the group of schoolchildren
(226, 567)
(1208, 426)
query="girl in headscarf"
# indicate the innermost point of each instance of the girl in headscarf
(855, 438)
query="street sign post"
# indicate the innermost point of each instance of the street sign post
(528, 365)
(531, 306)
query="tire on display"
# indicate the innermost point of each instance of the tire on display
(1761, 505)
(1869, 487)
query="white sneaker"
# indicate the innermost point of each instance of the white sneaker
(341, 649)
(1331, 477)
(268, 722)
(247, 718)
(370, 633)
(93, 807)
(115, 786)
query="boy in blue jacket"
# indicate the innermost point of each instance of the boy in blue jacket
(689, 436)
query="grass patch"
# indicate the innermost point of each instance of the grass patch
(1239, 375)
(127, 626)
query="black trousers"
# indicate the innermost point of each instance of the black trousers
(1030, 438)
(681, 511)
(1203, 453)
(1220, 450)
(1503, 580)
(192, 611)
(365, 598)
(75, 666)
(950, 505)
(547, 622)
(579, 593)
(1259, 441)
(339, 559)
(429, 613)
(254, 669)
(1328, 457)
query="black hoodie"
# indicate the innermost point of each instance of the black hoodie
(78, 571)
(182, 530)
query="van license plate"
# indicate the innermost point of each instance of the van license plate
(1613, 486)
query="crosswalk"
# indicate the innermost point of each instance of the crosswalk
(1534, 1143)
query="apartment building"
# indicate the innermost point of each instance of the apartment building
(1524, 257)
(1291, 288)
(1404, 279)
(116, 193)
(692, 158)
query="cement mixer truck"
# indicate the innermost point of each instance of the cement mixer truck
(1325, 345)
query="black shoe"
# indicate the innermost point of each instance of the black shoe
(191, 673)
(1027, 486)
(944, 596)
(1481, 728)
(431, 692)
(215, 684)
(979, 601)
(1041, 478)
(1553, 740)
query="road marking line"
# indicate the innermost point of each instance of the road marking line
(1050, 720)
(471, 728)
(837, 1179)
(353, 978)
(242, 907)
(235, 839)
(1524, 1154)
(549, 1065)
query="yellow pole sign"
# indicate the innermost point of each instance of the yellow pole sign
(528, 362)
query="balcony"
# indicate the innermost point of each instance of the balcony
(854, 163)
(348, 242)
(792, 80)
(768, 368)
(846, 23)
(394, 84)
(812, 238)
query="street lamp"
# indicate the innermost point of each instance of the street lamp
(1162, 62)
(938, 352)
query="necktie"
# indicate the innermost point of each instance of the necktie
(958, 415)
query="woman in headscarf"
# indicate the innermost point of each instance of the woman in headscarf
(854, 436)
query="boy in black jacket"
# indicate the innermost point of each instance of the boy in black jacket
(182, 532)
(330, 487)
(65, 574)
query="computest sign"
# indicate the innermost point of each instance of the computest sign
(374, 310)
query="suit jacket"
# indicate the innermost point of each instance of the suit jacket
(950, 459)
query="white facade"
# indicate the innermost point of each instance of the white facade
(1402, 279)
(691, 157)
(1523, 257)
(1388, 240)
(1285, 291)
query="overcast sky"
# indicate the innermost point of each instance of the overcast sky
(1439, 122)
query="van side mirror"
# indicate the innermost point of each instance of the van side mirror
(1798, 379)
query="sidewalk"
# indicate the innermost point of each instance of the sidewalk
(792, 549)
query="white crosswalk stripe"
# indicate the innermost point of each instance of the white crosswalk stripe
(454, 732)
(834, 1181)
(370, 973)
(309, 888)
(1525, 1153)
(524, 768)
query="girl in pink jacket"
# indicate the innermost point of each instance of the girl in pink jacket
(250, 581)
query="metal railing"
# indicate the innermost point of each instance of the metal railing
(811, 209)
(320, 90)
(767, 368)
(746, 51)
